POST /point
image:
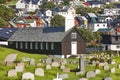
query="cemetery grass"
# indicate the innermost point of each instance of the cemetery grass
(50, 74)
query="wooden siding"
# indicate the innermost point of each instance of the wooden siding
(66, 43)
(56, 50)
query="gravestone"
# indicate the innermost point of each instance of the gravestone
(109, 61)
(106, 67)
(10, 59)
(39, 64)
(64, 62)
(108, 78)
(32, 62)
(21, 64)
(39, 72)
(102, 60)
(113, 62)
(48, 66)
(28, 76)
(25, 59)
(101, 64)
(93, 62)
(97, 71)
(48, 61)
(81, 64)
(57, 77)
(112, 70)
(66, 70)
(19, 68)
(83, 79)
(63, 76)
(12, 73)
(62, 67)
(118, 66)
(90, 74)
(55, 64)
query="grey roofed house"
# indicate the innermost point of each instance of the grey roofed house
(37, 34)
(49, 40)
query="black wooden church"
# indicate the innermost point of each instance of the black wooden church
(48, 41)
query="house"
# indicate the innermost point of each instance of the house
(64, 10)
(48, 13)
(95, 23)
(5, 34)
(28, 5)
(48, 40)
(111, 41)
(21, 4)
(95, 3)
(112, 12)
(82, 21)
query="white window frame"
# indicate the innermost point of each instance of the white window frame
(46, 45)
(16, 45)
(73, 35)
(26, 45)
(21, 45)
(52, 46)
(41, 45)
(31, 45)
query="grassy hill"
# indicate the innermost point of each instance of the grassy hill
(50, 74)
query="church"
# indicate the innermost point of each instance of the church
(49, 40)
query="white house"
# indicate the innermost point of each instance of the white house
(48, 13)
(21, 4)
(64, 11)
(32, 7)
(95, 26)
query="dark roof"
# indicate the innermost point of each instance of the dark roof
(117, 5)
(53, 29)
(104, 30)
(95, 2)
(6, 33)
(33, 1)
(37, 34)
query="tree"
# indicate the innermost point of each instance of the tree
(87, 34)
(66, 2)
(84, 10)
(58, 20)
(47, 5)
(6, 13)
(2, 23)
(2, 1)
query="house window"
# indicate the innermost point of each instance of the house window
(74, 35)
(26, 47)
(10, 42)
(41, 46)
(52, 46)
(118, 46)
(36, 45)
(31, 45)
(46, 46)
(16, 45)
(103, 25)
(97, 25)
(21, 45)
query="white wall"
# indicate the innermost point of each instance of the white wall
(115, 48)
(49, 13)
(69, 22)
(20, 5)
(32, 8)
(99, 26)
(3, 43)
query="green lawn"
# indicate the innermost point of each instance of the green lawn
(50, 74)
